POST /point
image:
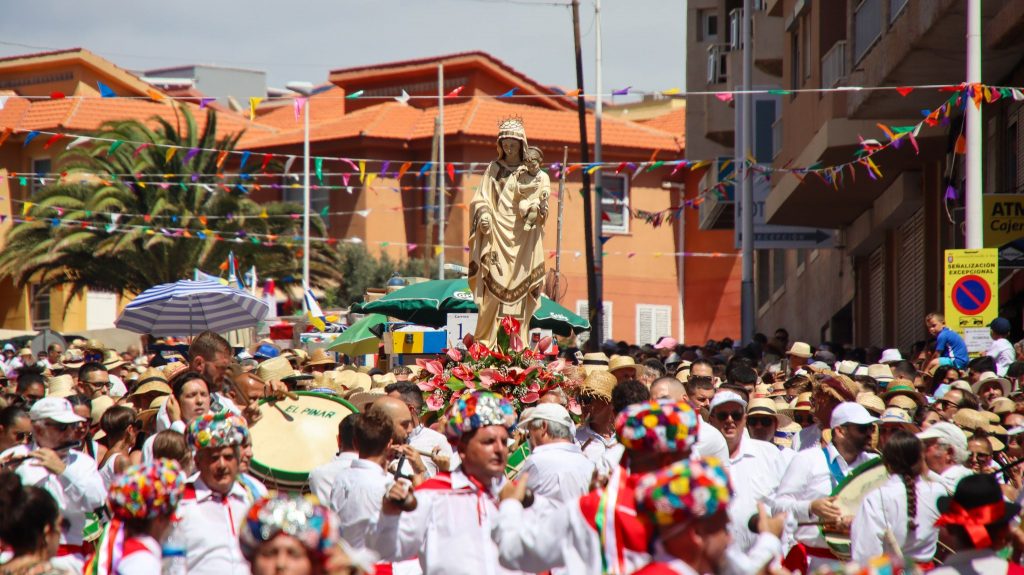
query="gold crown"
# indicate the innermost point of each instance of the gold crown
(513, 123)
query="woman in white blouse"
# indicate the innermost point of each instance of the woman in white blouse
(903, 510)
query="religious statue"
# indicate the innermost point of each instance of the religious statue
(506, 238)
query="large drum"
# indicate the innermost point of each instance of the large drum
(849, 493)
(294, 436)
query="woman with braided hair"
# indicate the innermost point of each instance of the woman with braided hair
(902, 512)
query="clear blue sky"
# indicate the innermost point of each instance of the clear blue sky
(644, 40)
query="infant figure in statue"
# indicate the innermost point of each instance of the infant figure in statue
(532, 189)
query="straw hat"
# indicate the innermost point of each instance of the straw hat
(382, 381)
(60, 386)
(278, 369)
(906, 388)
(329, 381)
(100, 405)
(881, 373)
(93, 345)
(173, 369)
(595, 362)
(622, 362)
(352, 379)
(72, 359)
(872, 403)
(599, 384)
(765, 406)
(800, 349)
(152, 375)
(990, 377)
(111, 360)
(320, 357)
(1002, 405)
(902, 402)
(361, 399)
(784, 434)
(898, 417)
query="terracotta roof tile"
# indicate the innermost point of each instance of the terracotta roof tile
(324, 107)
(673, 122)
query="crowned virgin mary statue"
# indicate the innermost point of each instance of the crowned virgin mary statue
(506, 238)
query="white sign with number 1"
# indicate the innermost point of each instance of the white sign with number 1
(459, 325)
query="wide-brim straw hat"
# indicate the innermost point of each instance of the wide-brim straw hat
(800, 349)
(622, 362)
(330, 381)
(320, 357)
(360, 398)
(594, 362)
(990, 377)
(767, 406)
(382, 381)
(1002, 405)
(60, 386)
(278, 369)
(151, 380)
(72, 359)
(599, 384)
(111, 360)
(353, 379)
(838, 386)
(871, 402)
(100, 405)
(905, 388)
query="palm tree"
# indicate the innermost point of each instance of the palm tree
(90, 228)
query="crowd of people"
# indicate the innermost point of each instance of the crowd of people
(773, 457)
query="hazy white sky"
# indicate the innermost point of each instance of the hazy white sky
(644, 40)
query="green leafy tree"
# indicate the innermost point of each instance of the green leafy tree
(102, 229)
(360, 270)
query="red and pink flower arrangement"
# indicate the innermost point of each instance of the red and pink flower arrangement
(511, 368)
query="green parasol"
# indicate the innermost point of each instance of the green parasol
(429, 303)
(358, 339)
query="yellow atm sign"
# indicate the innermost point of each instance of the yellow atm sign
(1004, 218)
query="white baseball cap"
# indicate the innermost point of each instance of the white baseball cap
(54, 408)
(726, 397)
(849, 412)
(950, 434)
(547, 412)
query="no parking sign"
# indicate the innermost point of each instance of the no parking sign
(972, 294)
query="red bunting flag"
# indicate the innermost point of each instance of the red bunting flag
(904, 90)
(455, 92)
(403, 169)
(451, 172)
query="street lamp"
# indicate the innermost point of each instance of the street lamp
(305, 89)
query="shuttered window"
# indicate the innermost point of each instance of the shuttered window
(876, 297)
(910, 281)
(582, 310)
(652, 323)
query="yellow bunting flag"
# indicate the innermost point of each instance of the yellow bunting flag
(170, 154)
(362, 170)
(26, 207)
(263, 214)
(253, 104)
(437, 250)
(369, 179)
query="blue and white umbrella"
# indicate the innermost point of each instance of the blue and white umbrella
(189, 307)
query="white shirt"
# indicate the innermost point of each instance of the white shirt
(77, 491)
(321, 479)
(356, 497)
(208, 523)
(808, 478)
(950, 477)
(449, 531)
(807, 438)
(754, 472)
(1003, 353)
(425, 440)
(886, 509)
(595, 447)
(559, 471)
(711, 443)
(145, 561)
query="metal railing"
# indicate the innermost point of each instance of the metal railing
(867, 26)
(833, 65)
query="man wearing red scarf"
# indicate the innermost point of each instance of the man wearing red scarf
(976, 520)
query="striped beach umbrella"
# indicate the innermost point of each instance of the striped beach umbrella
(188, 307)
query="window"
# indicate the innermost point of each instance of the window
(40, 299)
(614, 204)
(805, 29)
(763, 277)
(794, 59)
(867, 27)
(582, 310)
(707, 22)
(764, 130)
(41, 167)
(318, 199)
(652, 322)
(778, 270)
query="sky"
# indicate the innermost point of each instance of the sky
(644, 41)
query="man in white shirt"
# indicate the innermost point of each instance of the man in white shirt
(422, 438)
(70, 476)
(321, 479)
(830, 391)
(358, 491)
(807, 484)
(596, 434)
(215, 503)
(945, 452)
(755, 466)
(556, 467)
(1001, 349)
(449, 525)
(710, 442)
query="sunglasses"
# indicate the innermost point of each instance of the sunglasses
(801, 419)
(865, 428)
(979, 457)
(23, 436)
(93, 357)
(724, 415)
(945, 404)
(760, 421)
(61, 427)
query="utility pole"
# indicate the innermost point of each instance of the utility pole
(441, 215)
(594, 304)
(598, 190)
(561, 209)
(747, 198)
(972, 197)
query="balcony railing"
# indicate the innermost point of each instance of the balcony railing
(867, 26)
(833, 65)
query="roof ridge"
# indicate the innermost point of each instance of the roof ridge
(71, 114)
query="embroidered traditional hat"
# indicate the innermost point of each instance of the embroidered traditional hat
(147, 491)
(478, 409)
(217, 430)
(658, 427)
(314, 525)
(688, 489)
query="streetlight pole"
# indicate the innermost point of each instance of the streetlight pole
(972, 198)
(306, 90)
